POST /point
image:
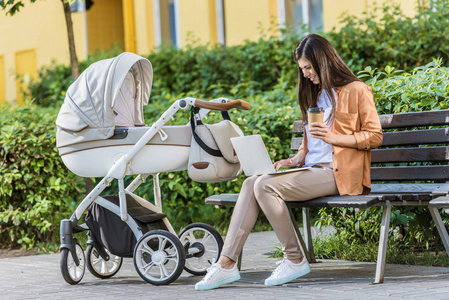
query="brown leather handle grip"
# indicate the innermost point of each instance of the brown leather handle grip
(239, 104)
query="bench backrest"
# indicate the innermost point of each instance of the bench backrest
(415, 147)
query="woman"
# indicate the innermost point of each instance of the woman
(338, 150)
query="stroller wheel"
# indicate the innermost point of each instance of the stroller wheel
(71, 272)
(203, 244)
(159, 257)
(98, 266)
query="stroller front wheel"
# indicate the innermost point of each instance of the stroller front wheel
(159, 257)
(203, 244)
(99, 267)
(71, 271)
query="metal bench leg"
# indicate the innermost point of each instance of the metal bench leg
(308, 232)
(440, 226)
(383, 242)
(300, 239)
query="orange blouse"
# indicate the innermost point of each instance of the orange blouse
(355, 115)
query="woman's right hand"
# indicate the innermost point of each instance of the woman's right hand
(285, 163)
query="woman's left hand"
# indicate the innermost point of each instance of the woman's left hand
(322, 132)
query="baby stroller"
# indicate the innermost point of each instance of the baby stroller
(101, 133)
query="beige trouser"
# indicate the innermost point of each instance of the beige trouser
(269, 192)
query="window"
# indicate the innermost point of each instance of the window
(306, 12)
(165, 22)
(172, 21)
(26, 69)
(80, 5)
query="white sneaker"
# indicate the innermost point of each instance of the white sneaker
(217, 276)
(287, 271)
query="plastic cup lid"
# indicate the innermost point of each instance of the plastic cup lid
(316, 110)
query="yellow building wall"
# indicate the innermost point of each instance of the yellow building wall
(40, 26)
(105, 25)
(2, 80)
(144, 26)
(408, 7)
(246, 20)
(198, 22)
(332, 10)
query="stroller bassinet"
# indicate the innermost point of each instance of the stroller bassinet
(102, 118)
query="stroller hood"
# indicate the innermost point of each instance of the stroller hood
(109, 93)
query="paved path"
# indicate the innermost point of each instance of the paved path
(38, 277)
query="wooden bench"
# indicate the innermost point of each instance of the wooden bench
(409, 169)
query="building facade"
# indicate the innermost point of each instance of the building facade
(36, 36)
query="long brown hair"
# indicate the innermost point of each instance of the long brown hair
(330, 68)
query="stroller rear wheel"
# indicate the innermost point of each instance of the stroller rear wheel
(71, 272)
(100, 267)
(159, 257)
(203, 244)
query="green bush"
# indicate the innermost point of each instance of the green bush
(423, 88)
(36, 190)
(386, 36)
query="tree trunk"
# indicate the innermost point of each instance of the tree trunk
(72, 50)
(88, 184)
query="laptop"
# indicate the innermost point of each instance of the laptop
(254, 157)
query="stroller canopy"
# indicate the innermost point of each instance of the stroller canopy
(109, 93)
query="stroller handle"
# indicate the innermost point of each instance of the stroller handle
(239, 104)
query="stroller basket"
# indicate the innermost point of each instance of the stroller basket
(115, 235)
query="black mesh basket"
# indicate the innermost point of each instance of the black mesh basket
(114, 234)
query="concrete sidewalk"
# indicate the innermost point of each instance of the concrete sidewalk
(38, 277)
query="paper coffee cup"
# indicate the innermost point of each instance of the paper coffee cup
(315, 114)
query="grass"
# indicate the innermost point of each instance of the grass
(335, 247)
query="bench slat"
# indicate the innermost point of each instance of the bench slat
(412, 173)
(222, 199)
(415, 119)
(357, 201)
(423, 154)
(361, 201)
(298, 128)
(295, 143)
(416, 137)
(410, 188)
(429, 154)
(402, 120)
(401, 138)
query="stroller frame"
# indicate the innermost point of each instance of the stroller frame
(72, 258)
